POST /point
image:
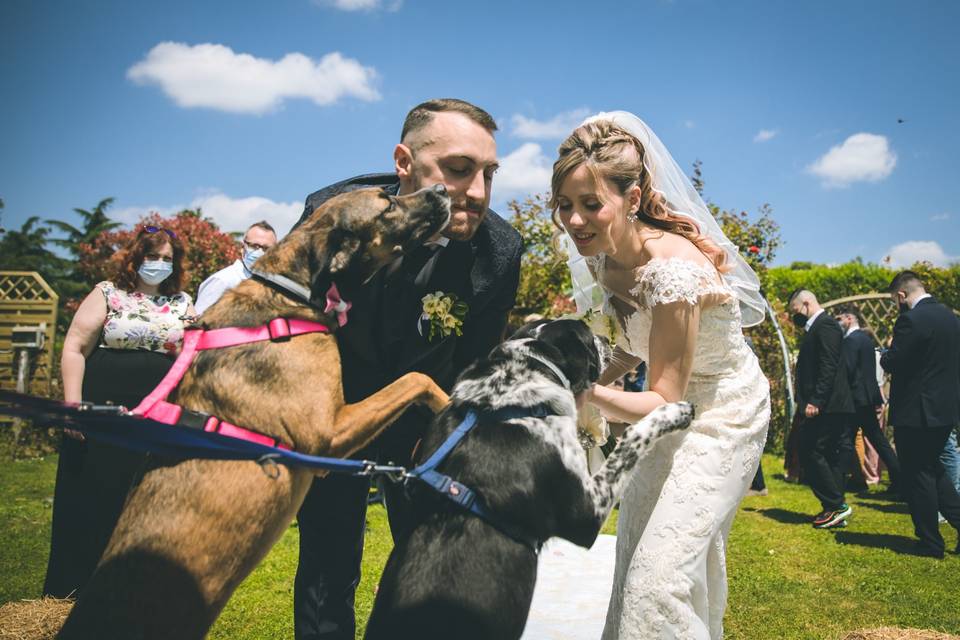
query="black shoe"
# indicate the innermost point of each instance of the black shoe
(920, 549)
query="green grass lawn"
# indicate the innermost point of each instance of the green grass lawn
(787, 580)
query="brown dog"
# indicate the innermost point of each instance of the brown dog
(193, 529)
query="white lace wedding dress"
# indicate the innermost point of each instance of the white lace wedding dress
(670, 578)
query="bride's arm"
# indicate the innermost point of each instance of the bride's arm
(673, 338)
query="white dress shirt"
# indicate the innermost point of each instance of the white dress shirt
(219, 283)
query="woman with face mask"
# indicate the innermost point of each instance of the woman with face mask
(120, 344)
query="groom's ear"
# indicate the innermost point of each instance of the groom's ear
(403, 164)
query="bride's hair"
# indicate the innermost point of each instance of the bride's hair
(612, 153)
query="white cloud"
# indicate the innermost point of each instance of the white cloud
(863, 157)
(523, 172)
(765, 134)
(230, 214)
(236, 214)
(558, 126)
(906, 254)
(215, 77)
(940, 217)
(361, 5)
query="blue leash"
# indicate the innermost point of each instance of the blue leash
(113, 425)
(462, 495)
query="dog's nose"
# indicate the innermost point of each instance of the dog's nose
(439, 188)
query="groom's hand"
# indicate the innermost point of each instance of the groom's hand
(811, 411)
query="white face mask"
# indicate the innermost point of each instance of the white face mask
(249, 257)
(154, 272)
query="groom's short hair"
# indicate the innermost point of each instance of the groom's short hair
(422, 114)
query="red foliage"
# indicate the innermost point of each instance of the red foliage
(207, 248)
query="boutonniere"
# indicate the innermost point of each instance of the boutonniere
(445, 313)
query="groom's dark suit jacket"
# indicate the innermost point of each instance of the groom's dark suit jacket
(924, 362)
(381, 341)
(821, 373)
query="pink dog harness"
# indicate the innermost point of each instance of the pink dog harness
(155, 405)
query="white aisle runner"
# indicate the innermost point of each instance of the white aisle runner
(572, 592)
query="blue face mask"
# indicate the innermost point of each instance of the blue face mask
(249, 257)
(154, 272)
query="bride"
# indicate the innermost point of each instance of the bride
(680, 294)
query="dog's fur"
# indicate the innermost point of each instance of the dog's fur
(456, 576)
(193, 529)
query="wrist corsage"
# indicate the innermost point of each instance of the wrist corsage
(445, 313)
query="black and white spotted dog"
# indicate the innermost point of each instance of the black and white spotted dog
(457, 575)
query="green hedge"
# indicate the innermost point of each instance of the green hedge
(828, 283)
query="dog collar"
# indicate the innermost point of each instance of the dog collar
(334, 303)
(527, 352)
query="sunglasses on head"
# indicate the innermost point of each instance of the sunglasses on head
(153, 229)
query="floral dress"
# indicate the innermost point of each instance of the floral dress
(136, 320)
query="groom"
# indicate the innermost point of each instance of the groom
(477, 259)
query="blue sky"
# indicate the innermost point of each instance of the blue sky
(245, 107)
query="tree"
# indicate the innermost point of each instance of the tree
(207, 248)
(95, 222)
(26, 250)
(544, 279)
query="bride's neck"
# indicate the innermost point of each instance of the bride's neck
(631, 251)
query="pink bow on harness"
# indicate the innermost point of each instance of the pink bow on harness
(338, 304)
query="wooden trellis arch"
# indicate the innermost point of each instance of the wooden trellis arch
(878, 310)
(27, 300)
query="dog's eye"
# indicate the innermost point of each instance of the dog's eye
(390, 207)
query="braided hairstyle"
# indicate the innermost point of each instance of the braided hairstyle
(612, 153)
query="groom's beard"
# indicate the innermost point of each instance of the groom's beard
(466, 214)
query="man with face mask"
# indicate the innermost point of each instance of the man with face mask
(859, 355)
(825, 404)
(258, 238)
(924, 362)
(475, 258)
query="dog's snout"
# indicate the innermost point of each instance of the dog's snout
(440, 189)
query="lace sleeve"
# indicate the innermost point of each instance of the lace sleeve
(663, 281)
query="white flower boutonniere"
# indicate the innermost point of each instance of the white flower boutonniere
(445, 313)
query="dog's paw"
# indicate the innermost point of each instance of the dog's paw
(671, 417)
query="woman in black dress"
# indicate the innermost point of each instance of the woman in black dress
(123, 339)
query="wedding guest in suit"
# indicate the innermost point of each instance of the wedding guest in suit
(258, 238)
(924, 362)
(825, 404)
(859, 356)
(476, 258)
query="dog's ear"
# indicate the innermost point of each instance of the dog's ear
(341, 260)
(332, 259)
